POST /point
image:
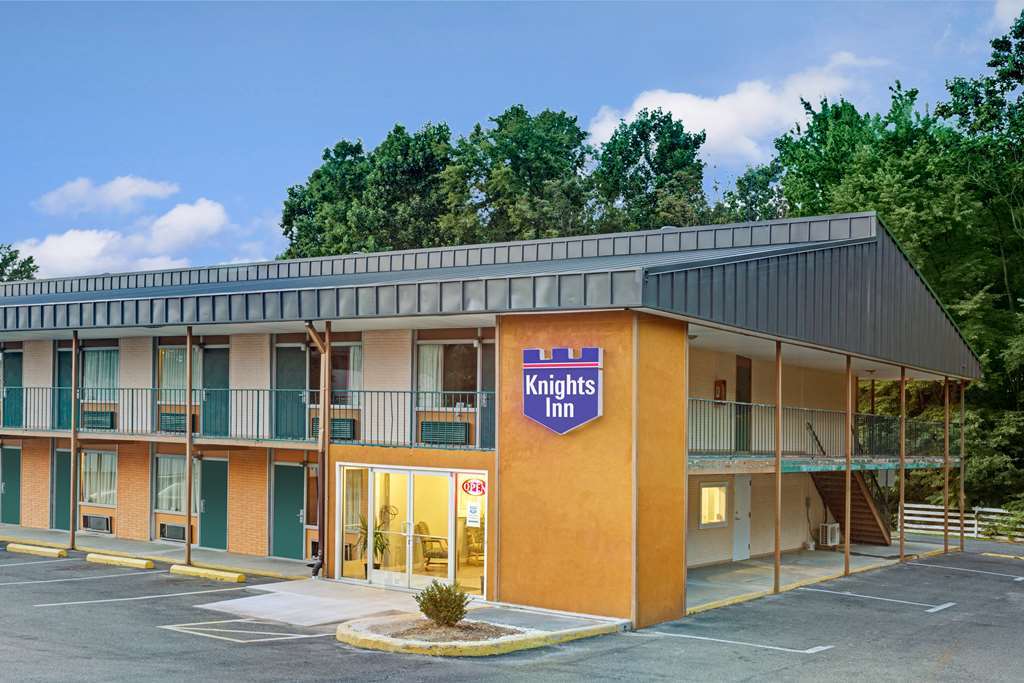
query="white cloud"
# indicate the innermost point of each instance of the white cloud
(1006, 12)
(156, 245)
(741, 124)
(124, 194)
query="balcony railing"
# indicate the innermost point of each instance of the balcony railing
(736, 429)
(439, 419)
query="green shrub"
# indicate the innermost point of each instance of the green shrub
(443, 604)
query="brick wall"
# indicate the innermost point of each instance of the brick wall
(133, 491)
(387, 366)
(249, 361)
(37, 371)
(247, 502)
(35, 483)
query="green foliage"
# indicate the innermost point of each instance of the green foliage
(13, 267)
(758, 196)
(649, 174)
(443, 604)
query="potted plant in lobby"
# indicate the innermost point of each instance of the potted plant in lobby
(380, 541)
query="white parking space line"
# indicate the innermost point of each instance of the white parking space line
(22, 564)
(1015, 577)
(83, 578)
(211, 629)
(761, 646)
(848, 594)
(141, 597)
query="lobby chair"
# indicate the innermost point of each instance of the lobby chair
(434, 549)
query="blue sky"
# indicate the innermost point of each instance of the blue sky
(158, 135)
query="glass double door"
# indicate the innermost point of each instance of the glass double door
(412, 539)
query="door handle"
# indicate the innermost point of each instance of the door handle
(3, 487)
(202, 505)
(302, 515)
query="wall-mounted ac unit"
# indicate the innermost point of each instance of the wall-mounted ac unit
(172, 532)
(829, 534)
(99, 523)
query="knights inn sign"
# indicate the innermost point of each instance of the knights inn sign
(562, 392)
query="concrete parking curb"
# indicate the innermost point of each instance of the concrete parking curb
(41, 551)
(1004, 556)
(356, 633)
(19, 540)
(204, 573)
(206, 565)
(118, 561)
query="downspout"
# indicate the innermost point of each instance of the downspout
(73, 522)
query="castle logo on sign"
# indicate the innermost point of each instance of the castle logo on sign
(564, 391)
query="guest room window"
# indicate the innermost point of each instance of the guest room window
(170, 480)
(99, 375)
(712, 505)
(171, 373)
(447, 368)
(99, 478)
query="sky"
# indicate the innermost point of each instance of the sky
(146, 136)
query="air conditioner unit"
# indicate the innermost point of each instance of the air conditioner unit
(172, 532)
(829, 534)
(96, 523)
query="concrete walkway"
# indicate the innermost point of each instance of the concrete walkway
(721, 584)
(169, 553)
(317, 602)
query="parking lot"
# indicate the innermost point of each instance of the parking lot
(952, 617)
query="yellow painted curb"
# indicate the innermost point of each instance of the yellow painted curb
(211, 574)
(20, 540)
(725, 602)
(931, 553)
(118, 561)
(1004, 556)
(371, 641)
(41, 551)
(225, 568)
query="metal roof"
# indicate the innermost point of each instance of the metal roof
(836, 281)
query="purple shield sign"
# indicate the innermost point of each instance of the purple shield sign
(562, 392)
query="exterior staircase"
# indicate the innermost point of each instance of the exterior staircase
(869, 521)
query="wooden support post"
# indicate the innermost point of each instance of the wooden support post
(778, 467)
(903, 462)
(188, 446)
(848, 479)
(686, 449)
(963, 456)
(323, 345)
(945, 466)
(75, 464)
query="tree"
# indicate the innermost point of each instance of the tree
(758, 196)
(315, 215)
(13, 267)
(650, 174)
(521, 178)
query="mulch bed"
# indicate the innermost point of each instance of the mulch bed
(422, 629)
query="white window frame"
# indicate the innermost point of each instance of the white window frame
(477, 343)
(82, 492)
(196, 474)
(725, 505)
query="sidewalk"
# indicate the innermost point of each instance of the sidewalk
(169, 553)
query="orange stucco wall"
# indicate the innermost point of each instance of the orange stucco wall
(565, 503)
(660, 470)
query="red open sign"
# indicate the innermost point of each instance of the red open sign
(474, 487)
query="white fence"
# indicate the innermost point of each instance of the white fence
(920, 517)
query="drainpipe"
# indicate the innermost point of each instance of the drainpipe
(945, 467)
(73, 522)
(963, 498)
(903, 461)
(778, 468)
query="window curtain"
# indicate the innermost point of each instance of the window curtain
(428, 375)
(170, 494)
(99, 375)
(99, 478)
(355, 373)
(172, 374)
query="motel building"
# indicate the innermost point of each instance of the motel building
(610, 424)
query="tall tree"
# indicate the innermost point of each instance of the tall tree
(650, 174)
(757, 196)
(520, 178)
(14, 267)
